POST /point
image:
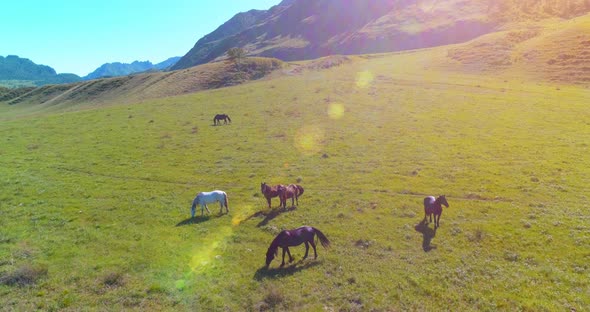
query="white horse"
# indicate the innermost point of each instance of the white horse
(205, 198)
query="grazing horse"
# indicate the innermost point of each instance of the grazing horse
(269, 191)
(205, 198)
(292, 191)
(296, 237)
(219, 117)
(434, 206)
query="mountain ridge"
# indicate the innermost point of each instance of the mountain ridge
(116, 69)
(308, 29)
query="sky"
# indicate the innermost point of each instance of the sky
(78, 36)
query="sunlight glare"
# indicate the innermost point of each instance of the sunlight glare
(364, 79)
(335, 110)
(309, 139)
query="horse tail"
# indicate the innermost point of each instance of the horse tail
(300, 188)
(323, 239)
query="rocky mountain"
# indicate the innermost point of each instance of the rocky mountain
(13, 67)
(307, 29)
(123, 69)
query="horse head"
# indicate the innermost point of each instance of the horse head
(271, 254)
(443, 201)
(263, 187)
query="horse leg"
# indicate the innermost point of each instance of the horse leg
(289, 253)
(285, 249)
(306, 250)
(268, 200)
(315, 253)
(292, 201)
(205, 205)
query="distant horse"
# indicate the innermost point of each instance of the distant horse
(205, 198)
(219, 117)
(434, 206)
(269, 191)
(292, 191)
(296, 237)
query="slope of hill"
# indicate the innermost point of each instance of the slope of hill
(123, 69)
(307, 29)
(556, 51)
(133, 88)
(216, 43)
(95, 204)
(14, 68)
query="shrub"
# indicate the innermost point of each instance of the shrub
(25, 275)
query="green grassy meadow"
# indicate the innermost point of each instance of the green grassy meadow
(95, 203)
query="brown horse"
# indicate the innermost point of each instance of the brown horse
(292, 191)
(434, 206)
(296, 237)
(219, 117)
(269, 191)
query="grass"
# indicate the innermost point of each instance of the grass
(101, 197)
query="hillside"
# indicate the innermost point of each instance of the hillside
(134, 88)
(95, 203)
(554, 51)
(16, 71)
(219, 41)
(289, 31)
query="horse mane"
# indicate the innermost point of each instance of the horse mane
(274, 245)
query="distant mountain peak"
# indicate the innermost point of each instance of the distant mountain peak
(15, 68)
(116, 69)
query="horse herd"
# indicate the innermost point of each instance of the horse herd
(305, 234)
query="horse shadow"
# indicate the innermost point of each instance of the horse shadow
(289, 270)
(194, 220)
(268, 216)
(427, 235)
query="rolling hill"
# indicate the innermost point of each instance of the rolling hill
(544, 51)
(139, 87)
(307, 29)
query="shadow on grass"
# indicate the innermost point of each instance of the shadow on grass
(195, 220)
(270, 215)
(288, 270)
(427, 235)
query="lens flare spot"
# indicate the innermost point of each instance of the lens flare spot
(206, 252)
(242, 215)
(180, 284)
(336, 110)
(364, 79)
(309, 139)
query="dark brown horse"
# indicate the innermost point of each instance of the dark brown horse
(434, 206)
(269, 191)
(219, 117)
(296, 237)
(292, 191)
